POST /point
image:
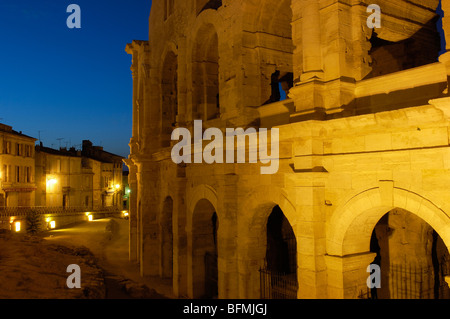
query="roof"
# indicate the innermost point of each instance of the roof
(8, 129)
(88, 151)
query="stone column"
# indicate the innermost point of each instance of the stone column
(132, 49)
(330, 37)
(228, 276)
(311, 36)
(310, 235)
(179, 237)
(347, 275)
(148, 197)
(308, 67)
(132, 212)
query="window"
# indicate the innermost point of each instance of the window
(19, 149)
(106, 181)
(6, 147)
(28, 174)
(17, 174)
(28, 151)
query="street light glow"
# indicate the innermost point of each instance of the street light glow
(51, 181)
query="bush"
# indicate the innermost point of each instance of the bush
(33, 223)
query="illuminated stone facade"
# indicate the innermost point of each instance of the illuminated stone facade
(364, 131)
(16, 168)
(90, 178)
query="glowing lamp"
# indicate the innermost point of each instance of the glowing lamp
(17, 226)
(90, 218)
(52, 224)
(51, 181)
(117, 186)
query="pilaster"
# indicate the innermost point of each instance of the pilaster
(347, 275)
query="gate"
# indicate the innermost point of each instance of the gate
(418, 282)
(276, 285)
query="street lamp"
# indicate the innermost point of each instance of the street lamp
(51, 181)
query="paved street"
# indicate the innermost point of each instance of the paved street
(107, 239)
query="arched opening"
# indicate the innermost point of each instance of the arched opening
(413, 259)
(276, 50)
(205, 225)
(202, 5)
(350, 230)
(205, 75)
(169, 96)
(279, 275)
(166, 232)
(417, 42)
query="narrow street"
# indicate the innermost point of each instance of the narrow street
(107, 239)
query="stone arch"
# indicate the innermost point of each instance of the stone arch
(205, 73)
(202, 243)
(252, 234)
(404, 41)
(203, 55)
(269, 22)
(350, 227)
(200, 192)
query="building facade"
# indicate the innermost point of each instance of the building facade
(16, 168)
(90, 178)
(363, 174)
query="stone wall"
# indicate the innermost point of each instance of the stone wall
(352, 148)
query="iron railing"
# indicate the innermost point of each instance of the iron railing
(418, 282)
(411, 281)
(275, 285)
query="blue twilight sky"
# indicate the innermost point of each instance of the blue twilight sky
(70, 84)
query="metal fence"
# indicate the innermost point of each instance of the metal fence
(410, 281)
(418, 282)
(278, 285)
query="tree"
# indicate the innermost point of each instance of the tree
(33, 223)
